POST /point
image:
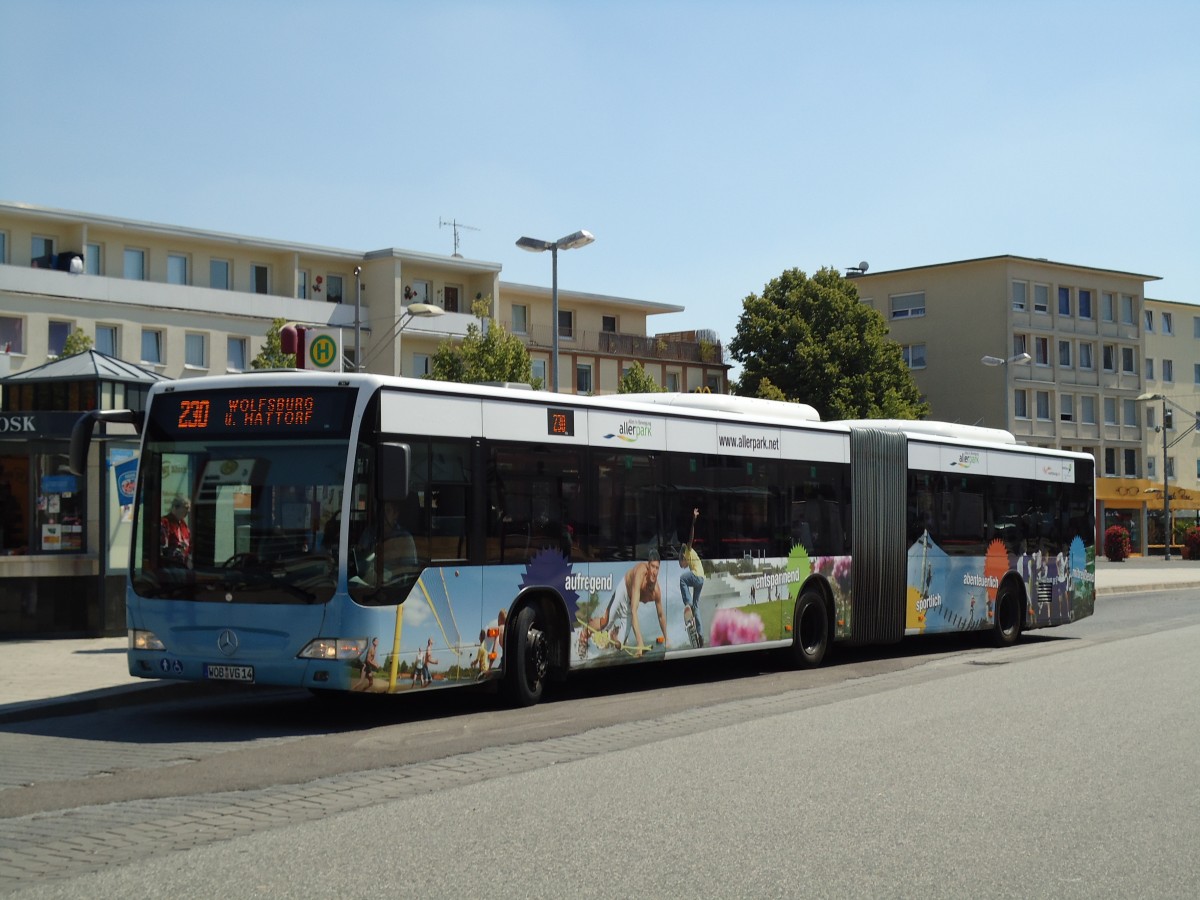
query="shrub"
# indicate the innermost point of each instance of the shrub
(1191, 543)
(1116, 543)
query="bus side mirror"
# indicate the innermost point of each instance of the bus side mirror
(391, 468)
(81, 433)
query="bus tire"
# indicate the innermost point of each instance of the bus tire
(1006, 630)
(810, 630)
(527, 659)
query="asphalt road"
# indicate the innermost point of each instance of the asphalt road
(1063, 767)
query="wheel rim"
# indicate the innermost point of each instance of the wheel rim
(537, 657)
(812, 629)
(1007, 615)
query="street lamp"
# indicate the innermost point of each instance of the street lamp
(358, 367)
(414, 311)
(1011, 361)
(534, 245)
(1144, 398)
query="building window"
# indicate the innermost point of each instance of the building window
(908, 306)
(333, 289)
(195, 348)
(566, 323)
(1066, 408)
(539, 373)
(1147, 320)
(1168, 326)
(520, 318)
(1043, 405)
(1041, 298)
(1020, 344)
(1168, 368)
(1020, 289)
(1064, 301)
(106, 340)
(608, 324)
(1021, 404)
(218, 274)
(1196, 373)
(302, 284)
(3, 248)
(1149, 369)
(672, 384)
(57, 337)
(1110, 411)
(92, 254)
(1110, 358)
(583, 378)
(1150, 425)
(422, 364)
(1170, 467)
(260, 279)
(1131, 464)
(1128, 365)
(1085, 303)
(1086, 349)
(914, 356)
(1129, 409)
(1041, 351)
(451, 295)
(152, 346)
(1126, 309)
(1087, 409)
(42, 251)
(1110, 461)
(1150, 466)
(420, 292)
(12, 334)
(1108, 307)
(177, 269)
(1064, 354)
(235, 354)
(135, 264)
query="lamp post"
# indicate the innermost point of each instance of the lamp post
(1016, 359)
(414, 311)
(358, 366)
(535, 245)
(1166, 485)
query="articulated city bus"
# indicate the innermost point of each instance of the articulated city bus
(364, 533)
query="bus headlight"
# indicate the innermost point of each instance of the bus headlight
(144, 640)
(333, 648)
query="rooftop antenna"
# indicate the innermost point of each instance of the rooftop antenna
(442, 223)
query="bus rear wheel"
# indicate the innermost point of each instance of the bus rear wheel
(810, 630)
(1006, 630)
(527, 659)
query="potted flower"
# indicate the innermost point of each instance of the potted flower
(1116, 543)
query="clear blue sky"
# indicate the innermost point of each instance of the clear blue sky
(707, 145)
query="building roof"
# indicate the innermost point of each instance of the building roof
(88, 366)
(1029, 259)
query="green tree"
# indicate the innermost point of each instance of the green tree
(821, 346)
(636, 381)
(768, 391)
(484, 355)
(77, 342)
(271, 356)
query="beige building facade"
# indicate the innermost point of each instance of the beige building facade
(179, 302)
(1062, 356)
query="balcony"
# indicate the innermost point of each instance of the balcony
(681, 347)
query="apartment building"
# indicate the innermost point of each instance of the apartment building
(178, 302)
(1053, 352)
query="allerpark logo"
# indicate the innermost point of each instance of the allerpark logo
(631, 431)
(968, 459)
(322, 352)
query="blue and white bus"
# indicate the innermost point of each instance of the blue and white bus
(376, 534)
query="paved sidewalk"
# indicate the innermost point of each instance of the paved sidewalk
(40, 678)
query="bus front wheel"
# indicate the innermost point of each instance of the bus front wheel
(1006, 630)
(810, 630)
(527, 659)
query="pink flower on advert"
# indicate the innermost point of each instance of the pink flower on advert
(732, 626)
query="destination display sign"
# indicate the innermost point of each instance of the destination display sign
(273, 411)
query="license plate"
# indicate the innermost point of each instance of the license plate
(219, 672)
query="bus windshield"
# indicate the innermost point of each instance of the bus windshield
(238, 516)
